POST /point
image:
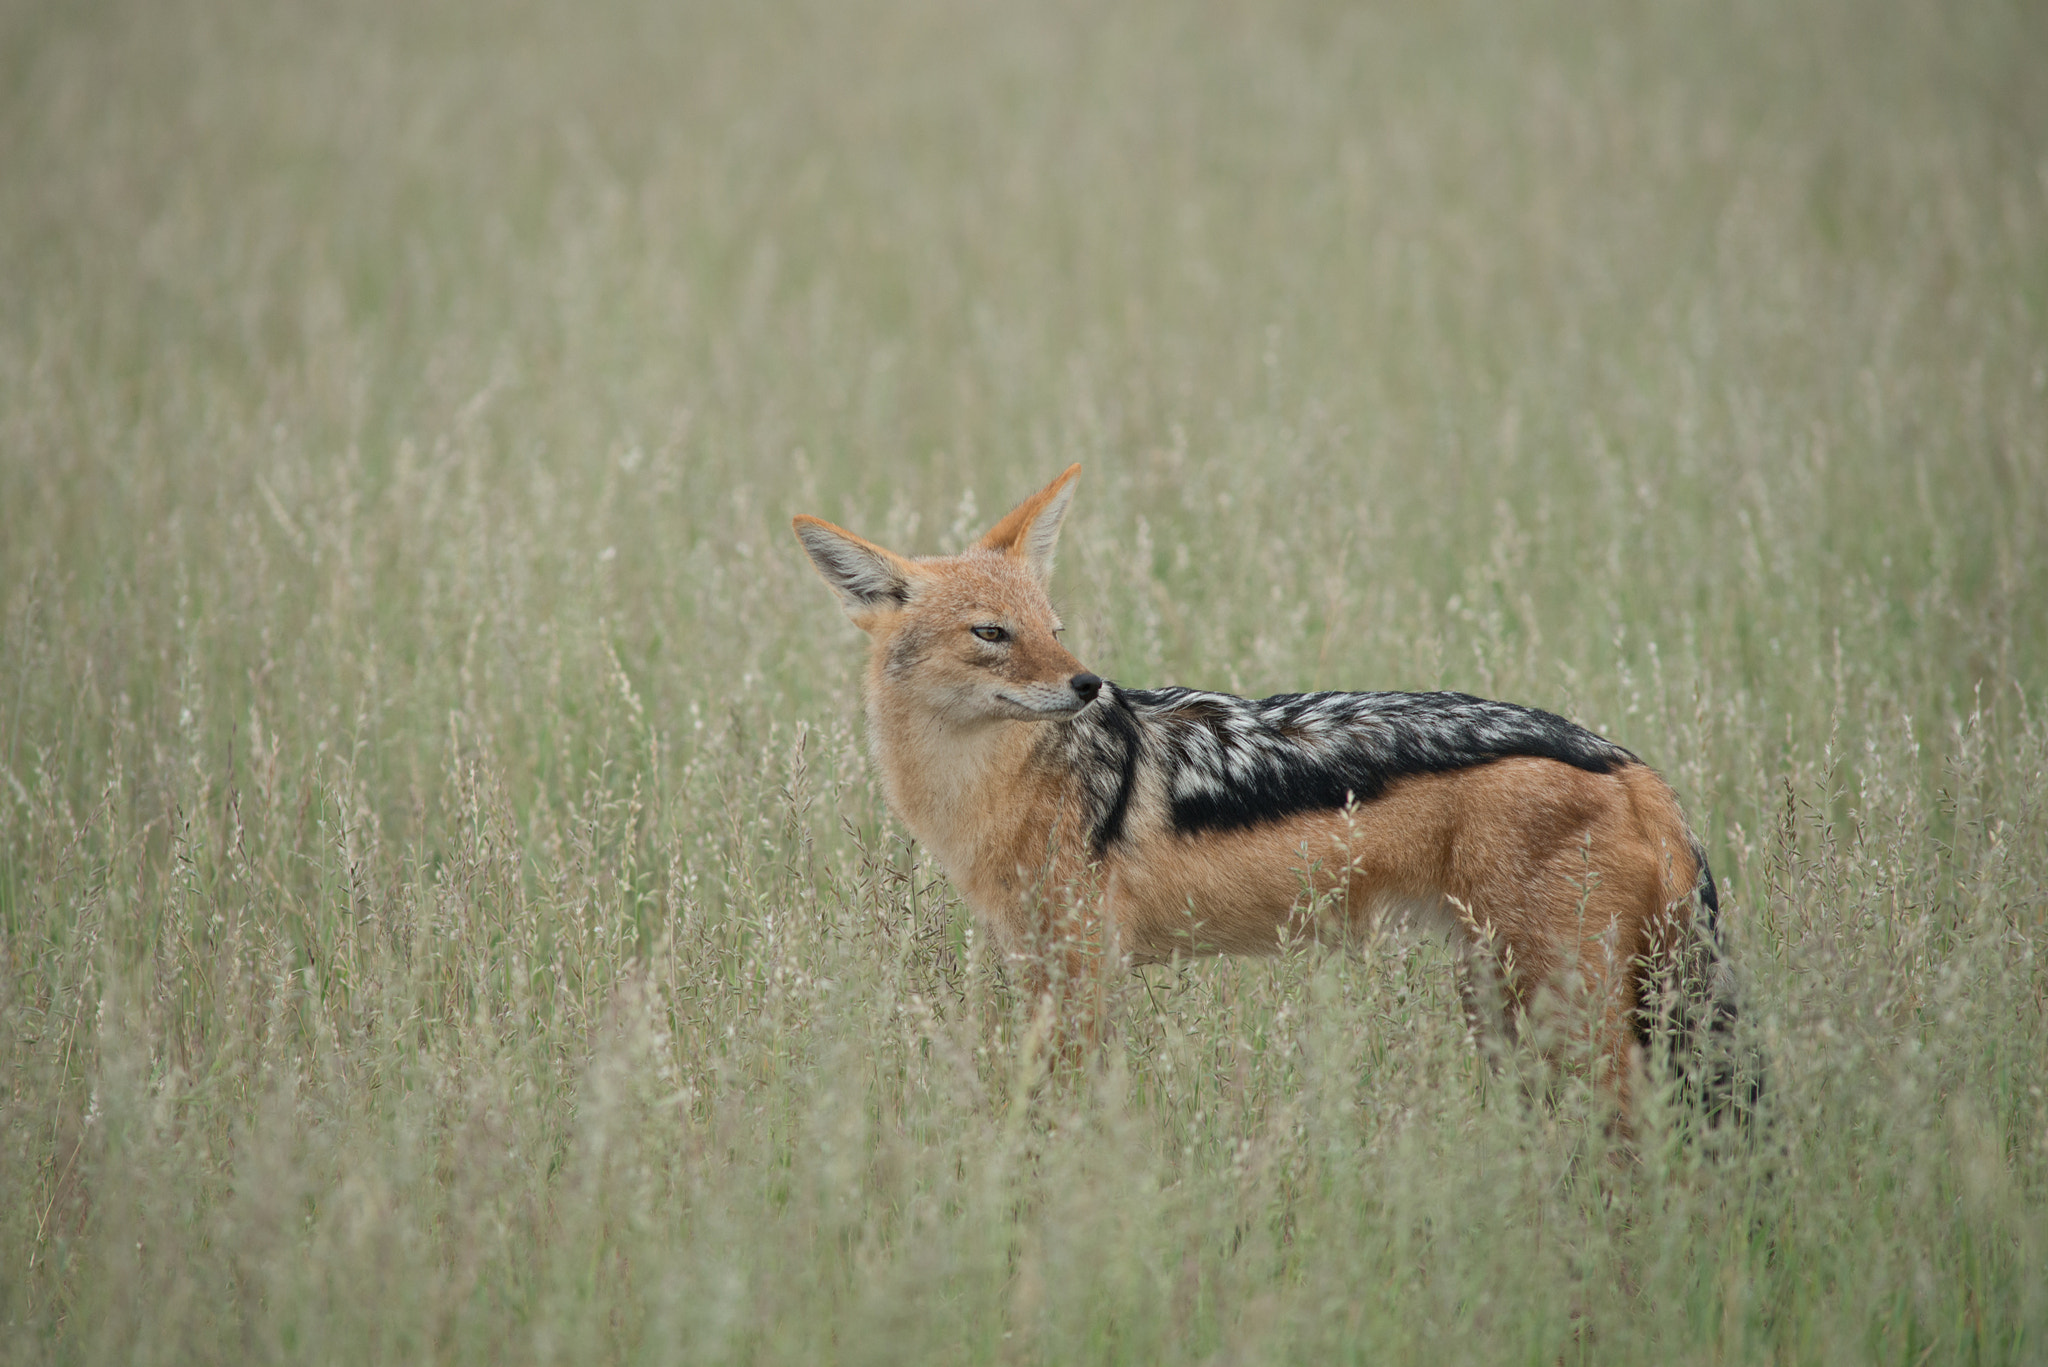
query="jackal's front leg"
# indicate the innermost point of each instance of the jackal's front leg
(1065, 979)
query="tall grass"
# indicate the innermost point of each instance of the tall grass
(448, 912)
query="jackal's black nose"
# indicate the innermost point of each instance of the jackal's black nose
(1087, 685)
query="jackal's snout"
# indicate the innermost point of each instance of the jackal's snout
(1085, 686)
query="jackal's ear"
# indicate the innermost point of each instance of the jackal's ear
(866, 577)
(1032, 528)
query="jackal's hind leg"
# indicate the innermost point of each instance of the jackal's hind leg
(1482, 988)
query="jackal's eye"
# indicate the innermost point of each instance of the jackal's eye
(991, 634)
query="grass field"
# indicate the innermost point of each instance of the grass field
(447, 910)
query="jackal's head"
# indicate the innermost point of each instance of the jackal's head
(969, 637)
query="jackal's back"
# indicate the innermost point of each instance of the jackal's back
(1227, 763)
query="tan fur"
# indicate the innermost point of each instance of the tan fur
(1550, 880)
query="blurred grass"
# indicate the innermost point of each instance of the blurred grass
(447, 911)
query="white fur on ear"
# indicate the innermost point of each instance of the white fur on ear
(865, 576)
(1029, 531)
(1043, 536)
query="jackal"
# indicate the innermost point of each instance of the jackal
(1090, 825)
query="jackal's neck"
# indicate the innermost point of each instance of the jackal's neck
(977, 795)
(943, 778)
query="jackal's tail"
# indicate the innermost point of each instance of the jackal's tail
(1690, 1017)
